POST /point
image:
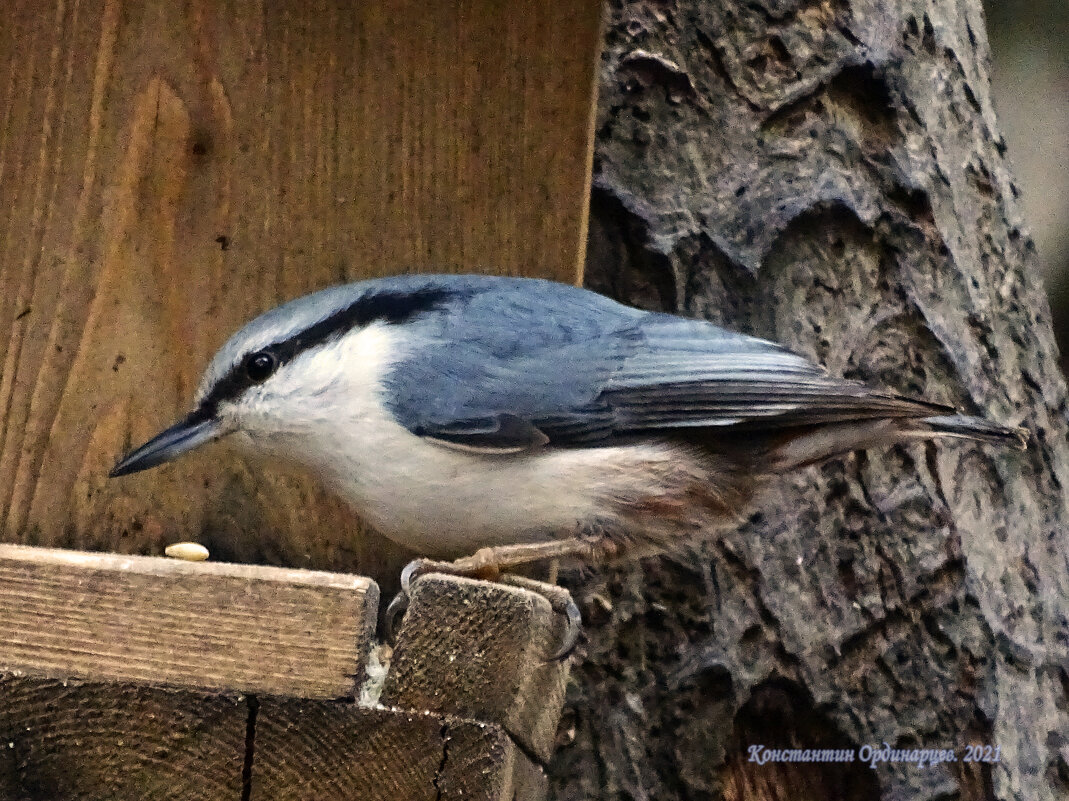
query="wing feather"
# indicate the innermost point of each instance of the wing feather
(737, 380)
(577, 369)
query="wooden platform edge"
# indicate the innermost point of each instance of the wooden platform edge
(492, 662)
(206, 625)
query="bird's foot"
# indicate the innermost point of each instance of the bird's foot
(560, 601)
(480, 565)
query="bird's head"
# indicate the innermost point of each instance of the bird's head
(287, 380)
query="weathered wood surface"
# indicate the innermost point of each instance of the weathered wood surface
(831, 174)
(313, 750)
(87, 741)
(261, 699)
(169, 170)
(243, 628)
(492, 666)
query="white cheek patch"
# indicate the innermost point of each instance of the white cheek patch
(354, 365)
(323, 388)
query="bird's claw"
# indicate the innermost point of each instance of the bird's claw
(394, 612)
(416, 568)
(399, 605)
(571, 633)
(560, 601)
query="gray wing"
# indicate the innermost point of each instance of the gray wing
(694, 374)
(524, 377)
(514, 368)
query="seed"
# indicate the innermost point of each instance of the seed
(190, 551)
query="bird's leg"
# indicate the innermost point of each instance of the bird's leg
(488, 563)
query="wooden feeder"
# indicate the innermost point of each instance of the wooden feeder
(167, 172)
(132, 677)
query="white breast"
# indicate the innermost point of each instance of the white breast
(438, 500)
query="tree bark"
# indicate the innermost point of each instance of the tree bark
(830, 174)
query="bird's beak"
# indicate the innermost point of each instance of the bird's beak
(191, 433)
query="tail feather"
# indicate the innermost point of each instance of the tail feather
(975, 428)
(819, 443)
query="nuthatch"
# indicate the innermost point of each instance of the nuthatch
(511, 420)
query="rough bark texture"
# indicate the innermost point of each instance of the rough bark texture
(829, 173)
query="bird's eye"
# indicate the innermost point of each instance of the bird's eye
(259, 366)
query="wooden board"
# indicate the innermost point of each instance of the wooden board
(86, 741)
(490, 664)
(242, 628)
(314, 750)
(86, 640)
(73, 740)
(169, 170)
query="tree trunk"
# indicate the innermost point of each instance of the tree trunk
(829, 173)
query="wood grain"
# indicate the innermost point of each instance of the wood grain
(169, 170)
(126, 742)
(482, 762)
(215, 630)
(241, 628)
(314, 750)
(76, 740)
(488, 663)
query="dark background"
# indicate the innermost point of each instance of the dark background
(1030, 82)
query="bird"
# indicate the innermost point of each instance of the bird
(485, 422)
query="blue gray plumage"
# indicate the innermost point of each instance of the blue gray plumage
(577, 366)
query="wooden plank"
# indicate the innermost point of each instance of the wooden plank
(86, 740)
(169, 170)
(206, 625)
(75, 740)
(481, 761)
(489, 662)
(136, 619)
(314, 750)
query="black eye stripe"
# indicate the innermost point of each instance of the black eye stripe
(389, 307)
